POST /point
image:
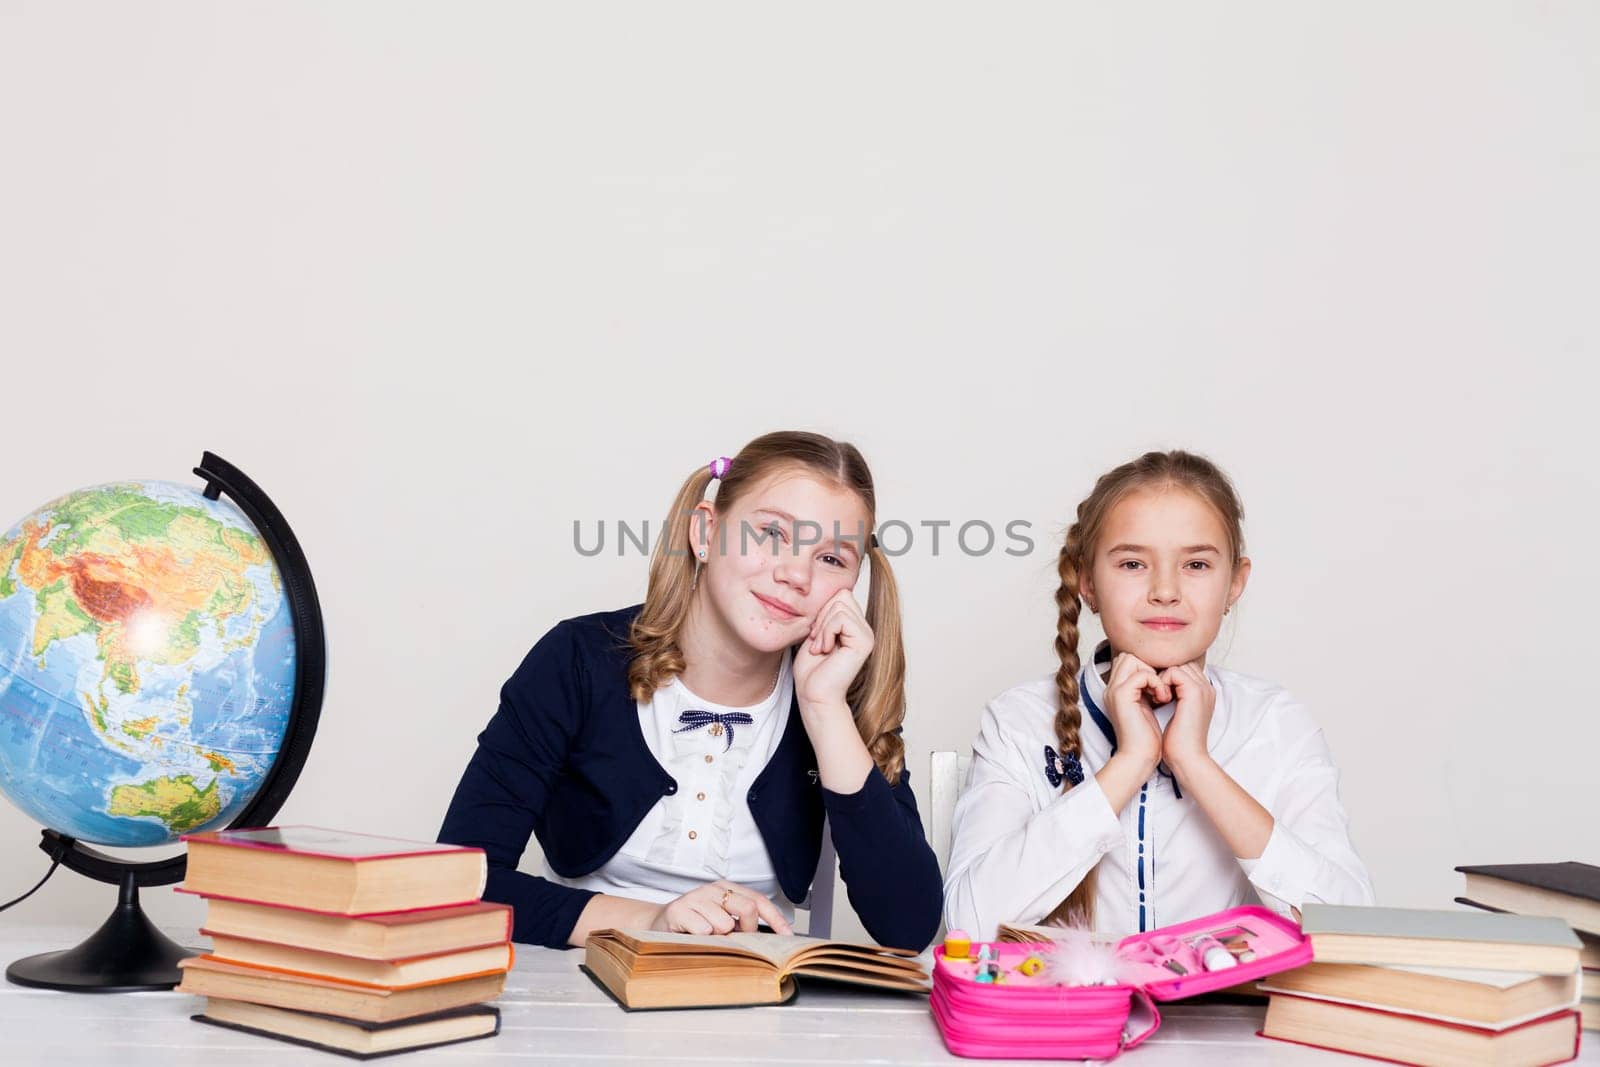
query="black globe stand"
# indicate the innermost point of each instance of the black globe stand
(126, 955)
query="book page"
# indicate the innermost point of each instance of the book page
(1023, 934)
(1494, 979)
(777, 949)
(861, 976)
(864, 963)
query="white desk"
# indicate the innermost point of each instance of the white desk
(552, 1013)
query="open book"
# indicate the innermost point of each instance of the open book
(648, 969)
(1024, 934)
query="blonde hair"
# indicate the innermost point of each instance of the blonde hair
(877, 695)
(1153, 470)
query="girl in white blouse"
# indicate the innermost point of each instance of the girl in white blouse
(1148, 788)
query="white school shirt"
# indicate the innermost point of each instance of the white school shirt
(1020, 845)
(704, 831)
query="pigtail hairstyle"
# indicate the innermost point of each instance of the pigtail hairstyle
(657, 659)
(1153, 470)
(1078, 908)
(877, 694)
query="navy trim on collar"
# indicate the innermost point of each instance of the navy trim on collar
(1110, 731)
(1095, 713)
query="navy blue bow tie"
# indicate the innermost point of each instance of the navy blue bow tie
(693, 720)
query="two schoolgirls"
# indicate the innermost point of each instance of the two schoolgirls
(676, 759)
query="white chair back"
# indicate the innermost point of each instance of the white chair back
(819, 902)
(947, 777)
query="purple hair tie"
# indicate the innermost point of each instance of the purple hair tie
(720, 465)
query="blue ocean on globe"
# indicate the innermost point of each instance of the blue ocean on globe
(147, 663)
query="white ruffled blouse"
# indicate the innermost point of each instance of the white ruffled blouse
(704, 831)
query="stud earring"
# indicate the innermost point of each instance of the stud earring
(702, 553)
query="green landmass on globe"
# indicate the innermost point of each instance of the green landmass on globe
(146, 662)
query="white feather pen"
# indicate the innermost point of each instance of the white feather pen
(1078, 958)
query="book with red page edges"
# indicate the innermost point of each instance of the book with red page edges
(333, 870)
(400, 915)
(407, 973)
(1028, 1016)
(1395, 1037)
(390, 935)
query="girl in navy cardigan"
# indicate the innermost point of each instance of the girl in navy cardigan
(676, 759)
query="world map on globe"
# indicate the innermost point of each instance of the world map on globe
(147, 663)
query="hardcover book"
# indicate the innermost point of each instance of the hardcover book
(207, 977)
(649, 969)
(376, 974)
(1569, 891)
(358, 1040)
(1407, 1039)
(392, 936)
(332, 871)
(1491, 999)
(1414, 937)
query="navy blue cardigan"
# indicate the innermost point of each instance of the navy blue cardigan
(565, 758)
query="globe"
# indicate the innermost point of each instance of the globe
(147, 663)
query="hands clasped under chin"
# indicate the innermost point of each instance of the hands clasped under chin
(1135, 689)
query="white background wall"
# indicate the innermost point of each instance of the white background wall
(444, 278)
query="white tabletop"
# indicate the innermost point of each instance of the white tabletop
(552, 1013)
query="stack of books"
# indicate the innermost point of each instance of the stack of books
(1432, 987)
(1569, 891)
(351, 943)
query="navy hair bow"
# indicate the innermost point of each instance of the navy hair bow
(1063, 767)
(694, 720)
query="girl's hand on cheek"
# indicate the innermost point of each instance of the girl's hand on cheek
(1185, 739)
(832, 654)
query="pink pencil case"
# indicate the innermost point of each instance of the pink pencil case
(1025, 1016)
